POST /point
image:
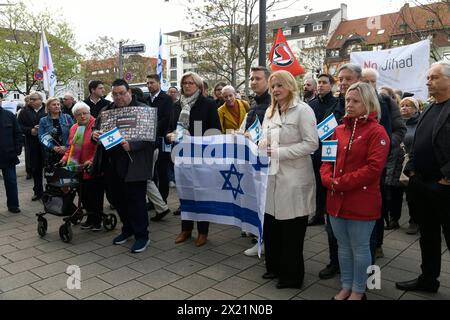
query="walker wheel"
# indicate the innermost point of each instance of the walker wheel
(65, 233)
(110, 222)
(42, 226)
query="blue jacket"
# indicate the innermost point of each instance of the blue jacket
(46, 126)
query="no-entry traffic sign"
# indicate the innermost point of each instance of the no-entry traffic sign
(38, 75)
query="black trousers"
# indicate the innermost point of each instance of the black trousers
(92, 195)
(321, 191)
(432, 203)
(411, 208)
(283, 243)
(129, 198)
(26, 148)
(202, 226)
(162, 165)
(395, 201)
(37, 166)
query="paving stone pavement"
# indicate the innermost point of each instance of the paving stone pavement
(36, 268)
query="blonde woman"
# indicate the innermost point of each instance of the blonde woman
(54, 131)
(289, 136)
(232, 112)
(353, 183)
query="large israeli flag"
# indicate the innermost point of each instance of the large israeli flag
(326, 128)
(111, 138)
(222, 179)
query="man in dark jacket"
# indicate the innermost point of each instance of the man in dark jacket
(29, 119)
(321, 106)
(95, 101)
(127, 168)
(259, 83)
(163, 103)
(10, 149)
(68, 102)
(429, 183)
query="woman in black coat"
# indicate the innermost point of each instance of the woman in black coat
(193, 108)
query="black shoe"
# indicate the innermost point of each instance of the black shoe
(177, 212)
(269, 275)
(316, 221)
(96, 227)
(417, 285)
(14, 210)
(329, 272)
(86, 225)
(284, 285)
(29, 176)
(393, 224)
(36, 197)
(159, 216)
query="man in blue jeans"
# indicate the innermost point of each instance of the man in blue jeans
(10, 149)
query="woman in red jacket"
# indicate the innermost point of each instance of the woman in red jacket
(353, 183)
(79, 156)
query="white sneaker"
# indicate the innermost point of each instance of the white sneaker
(253, 251)
(172, 184)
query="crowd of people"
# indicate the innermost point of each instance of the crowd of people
(357, 197)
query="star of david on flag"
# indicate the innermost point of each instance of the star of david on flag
(255, 131)
(326, 128)
(111, 139)
(329, 150)
(228, 185)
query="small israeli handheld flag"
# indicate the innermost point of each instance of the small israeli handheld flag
(46, 140)
(329, 151)
(111, 138)
(327, 127)
(255, 131)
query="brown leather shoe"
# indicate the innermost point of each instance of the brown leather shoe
(201, 240)
(183, 236)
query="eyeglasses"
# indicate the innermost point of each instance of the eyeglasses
(119, 94)
(190, 83)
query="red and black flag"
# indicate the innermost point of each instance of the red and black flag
(282, 57)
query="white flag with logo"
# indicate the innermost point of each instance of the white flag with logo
(46, 65)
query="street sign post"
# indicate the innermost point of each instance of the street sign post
(128, 76)
(2, 89)
(38, 75)
(135, 48)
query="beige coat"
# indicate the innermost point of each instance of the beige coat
(291, 190)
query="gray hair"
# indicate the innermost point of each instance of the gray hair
(372, 71)
(231, 88)
(314, 82)
(352, 67)
(80, 105)
(445, 67)
(69, 94)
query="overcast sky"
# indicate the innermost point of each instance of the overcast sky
(141, 20)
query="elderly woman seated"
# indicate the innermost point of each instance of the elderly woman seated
(78, 157)
(232, 112)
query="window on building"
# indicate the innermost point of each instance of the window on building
(380, 32)
(287, 32)
(340, 37)
(377, 47)
(403, 27)
(317, 27)
(430, 23)
(294, 30)
(302, 29)
(16, 96)
(369, 33)
(173, 75)
(398, 42)
(173, 84)
(173, 63)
